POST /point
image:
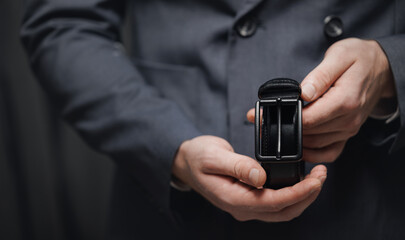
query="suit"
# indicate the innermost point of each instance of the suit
(194, 69)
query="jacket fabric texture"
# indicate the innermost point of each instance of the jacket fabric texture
(190, 73)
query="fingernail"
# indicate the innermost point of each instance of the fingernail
(254, 176)
(308, 90)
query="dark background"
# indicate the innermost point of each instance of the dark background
(52, 186)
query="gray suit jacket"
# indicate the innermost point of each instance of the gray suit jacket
(192, 74)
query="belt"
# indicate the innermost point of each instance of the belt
(278, 132)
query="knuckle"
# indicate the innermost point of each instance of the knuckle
(357, 121)
(362, 101)
(208, 165)
(207, 160)
(353, 132)
(308, 123)
(350, 104)
(354, 125)
(209, 151)
(322, 79)
(238, 168)
(222, 142)
(352, 42)
(339, 48)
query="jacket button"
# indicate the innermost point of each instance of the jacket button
(333, 26)
(246, 27)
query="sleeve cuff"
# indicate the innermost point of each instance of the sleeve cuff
(388, 118)
(179, 185)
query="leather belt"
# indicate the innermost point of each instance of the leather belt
(278, 132)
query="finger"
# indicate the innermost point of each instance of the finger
(324, 155)
(270, 200)
(343, 98)
(319, 80)
(221, 190)
(316, 141)
(334, 125)
(291, 212)
(229, 193)
(297, 209)
(251, 115)
(320, 172)
(325, 109)
(238, 166)
(285, 214)
(350, 124)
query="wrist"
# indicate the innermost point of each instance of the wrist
(386, 103)
(385, 74)
(388, 86)
(179, 166)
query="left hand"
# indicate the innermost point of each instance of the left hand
(343, 90)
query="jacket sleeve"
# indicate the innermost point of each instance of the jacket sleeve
(75, 53)
(394, 48)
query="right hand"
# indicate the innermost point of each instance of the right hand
(233, 182)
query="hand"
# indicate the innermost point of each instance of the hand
(343, 90)
(232, 182)
(358, 75)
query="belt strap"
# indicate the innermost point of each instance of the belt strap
(280, 175)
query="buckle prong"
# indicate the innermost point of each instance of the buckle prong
(278, 129)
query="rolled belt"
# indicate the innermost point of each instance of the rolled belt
(278, 132)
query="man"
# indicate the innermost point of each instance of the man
(178, 111)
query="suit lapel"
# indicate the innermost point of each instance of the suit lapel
(246, 7)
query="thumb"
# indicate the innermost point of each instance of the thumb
(240, 167)
(319, 80)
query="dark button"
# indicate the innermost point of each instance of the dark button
(333, 26)
(246, 27)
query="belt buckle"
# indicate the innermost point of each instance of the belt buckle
(278, 133)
